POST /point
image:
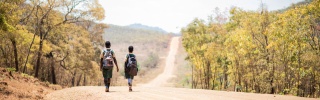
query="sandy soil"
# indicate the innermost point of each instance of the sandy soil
(17, 86)
(158, 89)
(158, 93)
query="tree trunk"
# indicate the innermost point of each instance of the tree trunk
(236, 78)
(246, 85)
(192, 81)
(15, 51)
(299, 66)
(53, 74)
(78, 83)
(214, 76)
(221, 82)
(225, 76)
(74, 78)
(5, 56)
(202, 77)
(272, 77)
(49, 78)
(253, 77)
(38, 59)
(213, 80)
(286, 74)
(209, 76)
(44, 71)
(25, 64)
(84, 80)
(195, 81)
(318, 91)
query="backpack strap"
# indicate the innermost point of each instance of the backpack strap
(104, 52)
(109, 50)
(128, 56)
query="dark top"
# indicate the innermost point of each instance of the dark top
(126, 70)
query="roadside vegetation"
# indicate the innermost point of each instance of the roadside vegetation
(260, 51)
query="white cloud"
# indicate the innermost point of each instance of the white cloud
(171, 15)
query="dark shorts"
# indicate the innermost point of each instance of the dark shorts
(107, 73)
(128, 76)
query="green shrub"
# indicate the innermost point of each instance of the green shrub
(152, 61)
(11, 69)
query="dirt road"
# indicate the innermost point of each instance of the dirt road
(156, 90)
(162, 79)
(158, 93)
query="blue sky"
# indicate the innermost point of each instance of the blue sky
(172, 15)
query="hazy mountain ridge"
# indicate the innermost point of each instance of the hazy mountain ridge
(295, 5)
(126, 34)
(145, 27)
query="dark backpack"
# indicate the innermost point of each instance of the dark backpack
(132, 65)
(107, 59)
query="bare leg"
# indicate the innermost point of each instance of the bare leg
(130, 84)
(107, 84)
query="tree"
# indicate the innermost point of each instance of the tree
(258, 51)
(46, 17)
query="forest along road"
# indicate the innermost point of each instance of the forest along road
(156, 90)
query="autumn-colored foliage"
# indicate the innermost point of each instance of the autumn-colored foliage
(257, 51)
(54, 40)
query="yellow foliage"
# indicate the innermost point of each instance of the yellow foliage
(261, 49)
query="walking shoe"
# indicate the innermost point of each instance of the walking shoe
(130, 89)
(107, 90)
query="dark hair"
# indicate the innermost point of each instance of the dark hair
(108, 44)
(130, 48)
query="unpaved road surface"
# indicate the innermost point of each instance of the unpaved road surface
(158, 93)
(156, 90)
(162, 79)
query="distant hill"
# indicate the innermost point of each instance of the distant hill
(145, 27)
(296, 5)
(134, 34)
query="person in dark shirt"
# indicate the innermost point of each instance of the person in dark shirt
(127, 69)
